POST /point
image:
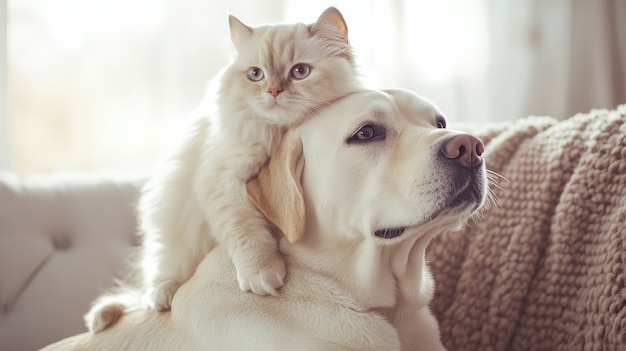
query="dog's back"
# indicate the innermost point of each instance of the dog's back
(210, 312)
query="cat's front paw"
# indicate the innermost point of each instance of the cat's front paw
(103, 315)
(262, 279)
(160, 297)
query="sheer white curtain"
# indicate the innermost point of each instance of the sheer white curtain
(492, 60)
(102, 83)
(556, 58)
(579, 56)
(4, 117)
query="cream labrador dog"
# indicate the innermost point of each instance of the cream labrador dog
(358, 192)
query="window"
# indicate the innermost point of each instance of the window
(98, 84)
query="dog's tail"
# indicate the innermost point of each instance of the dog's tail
(107, 309)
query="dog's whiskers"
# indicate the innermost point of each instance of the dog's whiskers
(493, 188)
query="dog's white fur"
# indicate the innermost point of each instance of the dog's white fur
(346, 288)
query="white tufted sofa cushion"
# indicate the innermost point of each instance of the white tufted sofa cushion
(63, 239)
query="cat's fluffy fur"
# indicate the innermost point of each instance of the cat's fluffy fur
(198, 198)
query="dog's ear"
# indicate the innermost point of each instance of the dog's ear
(277, 191)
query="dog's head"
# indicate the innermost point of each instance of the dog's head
(379, 164)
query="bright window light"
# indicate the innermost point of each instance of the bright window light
(99, 84)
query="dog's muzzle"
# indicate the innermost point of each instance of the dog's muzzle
(461, 156)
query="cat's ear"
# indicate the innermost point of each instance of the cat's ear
(331, 22)
(239, 32)
(277, 190)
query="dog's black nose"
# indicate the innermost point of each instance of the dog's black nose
(465, 149)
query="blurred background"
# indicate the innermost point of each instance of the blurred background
(103, 84)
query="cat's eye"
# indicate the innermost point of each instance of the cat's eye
(255, 74)
(300, 71)
(367, 133)
(441, 122)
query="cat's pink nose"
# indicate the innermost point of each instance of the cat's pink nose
(275, 91)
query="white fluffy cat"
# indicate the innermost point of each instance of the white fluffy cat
(281, 74)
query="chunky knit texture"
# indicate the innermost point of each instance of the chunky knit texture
(545, 268)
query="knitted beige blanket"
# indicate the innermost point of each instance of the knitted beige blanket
(545, 269)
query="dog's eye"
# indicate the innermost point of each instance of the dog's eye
(441, 122)
(365, 133)
(368, 133)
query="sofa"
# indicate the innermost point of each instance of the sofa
(63, 239)
(541, 268)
